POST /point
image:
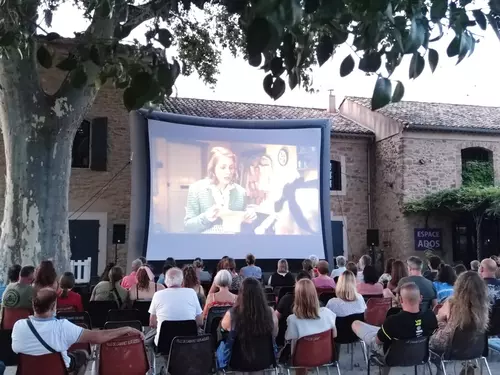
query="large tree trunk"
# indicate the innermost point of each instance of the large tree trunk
(38, 165)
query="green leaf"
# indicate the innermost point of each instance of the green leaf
(324, 50)
(382, 93)
(339, 36)
(141, 82)
(310, 6)
(165, 38)
(433, 57)
(122, 31)
(130, 99)
(417, 65)
(347, 66)
(480, 18)
(438, 9)
(277, 68)
(415, 37)
(78, 77)
(267, 83)
(44, 57)
(454, 47)
(95, 56)
(68, 64)
(52, 36)
(465, 46)
(370, 62)
(293, 79)
(47, 16)
(258, 36)
(255, 60)
(274, 87)
(398, 93)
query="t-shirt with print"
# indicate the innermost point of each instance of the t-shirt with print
(59, 334)
(427, 289)
(18, 296)
(405, 325)
(174, 304)
(493, 290)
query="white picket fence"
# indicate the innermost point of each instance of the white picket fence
(81, 270)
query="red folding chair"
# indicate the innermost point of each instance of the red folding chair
(48, 364)
(11, 315)
(376, 310)
(125, 355)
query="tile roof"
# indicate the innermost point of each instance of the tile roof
(440, 116)
(252, 111)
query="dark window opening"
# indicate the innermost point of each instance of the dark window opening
(335, 176)
(477, 166)
(80, 155)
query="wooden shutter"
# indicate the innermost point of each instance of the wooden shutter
(99, 144)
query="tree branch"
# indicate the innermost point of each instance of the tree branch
(137, 14)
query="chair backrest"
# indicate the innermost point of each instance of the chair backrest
(190, 355)
(314, 350)
(125, 355)
(116, 315)
(214, 316)
(324, 297)
(494, 326)
(376, 310)
(31, 364)
(466, 344)
(98, 311)
(7, 356)
(81, 319)
(173, 328)
(324, 290)
(11, 315)
(270, 296)
(264, 356)
(124, 323)
(65, 308)
(285, 290)
(406, 353)
(369, 296)
(143, 307)
(345, 334)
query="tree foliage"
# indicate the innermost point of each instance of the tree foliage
(285, 38)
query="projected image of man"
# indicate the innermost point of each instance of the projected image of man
(217, 204)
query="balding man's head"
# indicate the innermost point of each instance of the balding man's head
(488, 268)
(44, 302)
(410, 297)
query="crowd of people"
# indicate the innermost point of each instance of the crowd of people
(434, 304)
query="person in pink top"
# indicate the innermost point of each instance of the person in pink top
(370, 285)
(323, 280)
(130, 280)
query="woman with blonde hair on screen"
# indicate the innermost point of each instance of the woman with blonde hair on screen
(217, 194)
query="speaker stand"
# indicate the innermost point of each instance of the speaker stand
(116, 254)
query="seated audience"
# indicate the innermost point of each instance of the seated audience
(169, 263)
(19, 294)
(58, 334)
(323, 280)
(433, 263)
(407, 324)
(45, 276)
(282, 277)
(105, 273)
(370, 285)
(467, 309)
(399, 271)
(203, 276)
(172, 303)
(191, 281)
(347, 301)
(308, 317)
(145, 288)
(387, 275)
(248, 319)
(251, 270)
(68, 300)
(351, 266)
(130, 280)
(230, 265)
(460, 268)
(364, 261)
(487, 271)
(474, 265)
(148, 268)
(444, 282)
(341, 262)
(314, 261)
(307, 266)
(219, 294)
(112, 290)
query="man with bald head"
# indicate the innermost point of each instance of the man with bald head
(487, 271)
(407, 324)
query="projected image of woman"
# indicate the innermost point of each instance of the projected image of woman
(217, 194)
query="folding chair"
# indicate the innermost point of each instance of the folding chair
(345, 334)
(466, 346)
(214, 316)
(143, 307)
(403, 353)
(98, 311)
(366, 297)
(124, 323)
(190, 356)
(265, 359)
(48, 364)
(11, 315)
(125, 355)
(314, 351)
(284, 290)
(81, 319)
(324, 297)
(376, 310)
(116, 315)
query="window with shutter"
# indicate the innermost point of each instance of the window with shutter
(335, 175)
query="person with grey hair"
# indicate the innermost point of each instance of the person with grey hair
(131, 280)
(282, 277)
(474, 265)
(364, 261)
(341, 262)
(219, 294)
(172, 303)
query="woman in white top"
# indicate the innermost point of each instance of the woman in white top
(348, 300)
(308, 317)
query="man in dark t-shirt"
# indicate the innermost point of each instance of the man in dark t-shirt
(487, 271)
(408, 324)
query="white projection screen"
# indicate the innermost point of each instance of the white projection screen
(230, 187)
